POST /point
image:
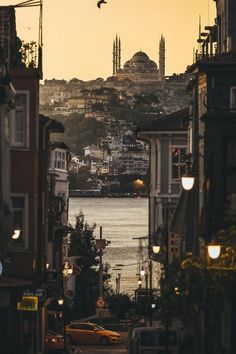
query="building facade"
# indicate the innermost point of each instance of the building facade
(167, 138)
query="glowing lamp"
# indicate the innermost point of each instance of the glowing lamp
(142, 272)
(187, 182)
(156, 249)
(213, 251)
(60, 301)
(16, 234)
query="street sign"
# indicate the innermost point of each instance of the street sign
(100, 303)
(41, 293)
(100, 244)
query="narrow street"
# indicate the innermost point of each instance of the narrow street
(97, 349)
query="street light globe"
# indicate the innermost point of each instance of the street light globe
(139, 281)
(187, 182)
(142, 272)
(16, 234)
(213, 251)
(70, 271)
(156, 249)
(60, 301)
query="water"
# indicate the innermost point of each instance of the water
(122, 220)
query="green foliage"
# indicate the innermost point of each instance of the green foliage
(188, 282)
(182, 287)
(193, 284)
(119, 304)
(87, 281)
(82, 246)
(82, 242)
(80, 132)
(79, 180)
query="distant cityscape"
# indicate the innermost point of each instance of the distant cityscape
(133, 95)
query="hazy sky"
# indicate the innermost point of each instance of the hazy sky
(78, 37)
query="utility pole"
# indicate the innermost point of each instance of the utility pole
(101, 244)
(101, 265)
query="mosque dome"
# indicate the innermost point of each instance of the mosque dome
(140, 63)
(127, 65)
(140, 57)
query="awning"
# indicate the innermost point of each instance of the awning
(10, 282)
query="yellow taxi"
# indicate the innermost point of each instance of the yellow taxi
(90, 333)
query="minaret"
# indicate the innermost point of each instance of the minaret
(116, 54)
(119, 54)
(162, 58)
(114, 58)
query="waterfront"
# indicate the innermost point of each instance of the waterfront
(122, 220)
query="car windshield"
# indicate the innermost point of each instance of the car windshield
(52, 333)
(100, 328)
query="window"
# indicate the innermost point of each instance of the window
(20, 120)
(60, 160)
(178, 162)
(20, 220)
(233, 98)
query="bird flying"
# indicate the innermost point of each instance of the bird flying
(100, 2)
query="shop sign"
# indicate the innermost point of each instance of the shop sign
(28, 303)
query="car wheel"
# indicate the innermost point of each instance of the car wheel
(69, 339)
(104, 341)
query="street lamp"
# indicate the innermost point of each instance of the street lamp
(142, 272)
(213, 251)
(60, 301)
(118, 276)
(67, 269)
(187, 181)
(156, 249)
(147, 303)
(16, 234)
(139, 282)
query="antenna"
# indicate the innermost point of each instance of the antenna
(29, 3)
(208, 11)
(199, 27)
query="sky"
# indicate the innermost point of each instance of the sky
(78, 37)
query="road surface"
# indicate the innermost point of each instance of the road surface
(97, 349)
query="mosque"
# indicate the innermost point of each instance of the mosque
(140, 68)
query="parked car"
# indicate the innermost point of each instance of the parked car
(153, 340)
(54, 342)
(90, 333)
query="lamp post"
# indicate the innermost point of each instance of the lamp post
(144, 274)
(118, 276)
(156, 243)
(60, 301)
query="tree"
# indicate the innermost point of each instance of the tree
(83, 246)
(79, 180)
(120, 304)
(80, 132)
